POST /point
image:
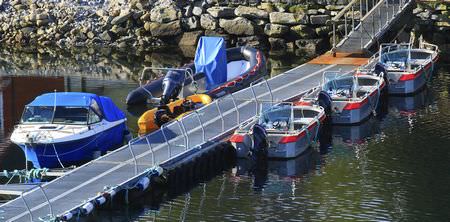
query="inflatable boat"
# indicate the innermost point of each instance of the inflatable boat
(216, 71)
(348, 98)
(59, 129)
(283, 130)
(153, 119)
(407, 69)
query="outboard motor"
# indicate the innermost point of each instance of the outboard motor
(172, 84)
(260, 146)
(324, 100)
(380, 70)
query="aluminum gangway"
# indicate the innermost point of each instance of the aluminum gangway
(121, 168)
(363, 23)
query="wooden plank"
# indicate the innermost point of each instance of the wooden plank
(341, 59)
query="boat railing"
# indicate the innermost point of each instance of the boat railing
(188, 72)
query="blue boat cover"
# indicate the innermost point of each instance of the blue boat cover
(211, 59)
(79, 99)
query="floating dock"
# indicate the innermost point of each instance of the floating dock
(122, 169)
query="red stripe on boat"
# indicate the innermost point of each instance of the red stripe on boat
(355, 105)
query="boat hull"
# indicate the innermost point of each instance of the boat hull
(294, 149)
(410, 86)
(257, 70)
(75, 151)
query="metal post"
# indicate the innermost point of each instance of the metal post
(28, 207)
(167, 141)
(184, 135)
(254, 96)
(334, 35)
(201, 124)
(134, 157)
(353, 19)
(46, 198)
(270, 90)
(379, 19)
(360, 10)
(151, 150)
(367, 6)
(220, 113)
(345, 22)
(236, 108)
(185, 131)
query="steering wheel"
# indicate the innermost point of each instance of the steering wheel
(277, 124)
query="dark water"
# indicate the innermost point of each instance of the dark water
(394, 167)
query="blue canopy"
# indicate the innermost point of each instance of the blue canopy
(79, 99)
(211, 59)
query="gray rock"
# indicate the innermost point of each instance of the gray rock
(288, 18)
(319, 19)
(312, 45)
(251, 12)
(276, 30)
(124, 16)
(105, 36)
(188, 11)
(323, 31)
(145, 17)
(238, 26)
(208, 22)
(165, 29)
(43, 22)
(164, 14)
(417, 10)
(323, 11)
(334, 7)
(198, 11)
(221, 12)
(256, 41)
(303, 32)
(27, 30)
(277, 44)
(190, 23)
(312, 12)
(424, 15)
(90, 35)
(190, 38)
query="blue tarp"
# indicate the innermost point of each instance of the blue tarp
(78, 99)
(211, 59)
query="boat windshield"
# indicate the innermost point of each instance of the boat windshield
(60, 115)
(276, 116)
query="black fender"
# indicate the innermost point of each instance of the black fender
(147, 91)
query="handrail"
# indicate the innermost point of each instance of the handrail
(343, 11)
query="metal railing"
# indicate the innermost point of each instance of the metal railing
(366, 20)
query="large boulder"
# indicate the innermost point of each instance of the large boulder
(124, 15)
(276, 30)
(164, 14)
(163, 30)
(221, 12)
(239, 26)
(285, 18)
(277, 43)
(190, 23)
(190, 38)
(208, 22)
(251, 12)
(303, 32)
(319, 19)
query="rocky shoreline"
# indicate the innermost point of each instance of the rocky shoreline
(142, 24)
(432, 19)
